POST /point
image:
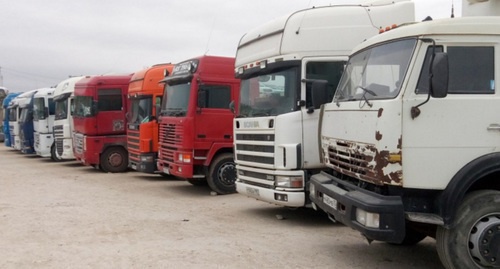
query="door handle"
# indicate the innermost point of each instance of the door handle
(494, 127)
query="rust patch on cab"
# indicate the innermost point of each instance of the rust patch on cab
(378, 136)
(380, 110)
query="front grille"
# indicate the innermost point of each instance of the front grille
(353, 159)
(59, 138)
(37, 141)
(78, 140)
(133, 140)
(255, 137)
(346, 159)
(170, 136)
(255, 159)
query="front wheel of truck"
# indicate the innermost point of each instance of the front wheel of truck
(473, 241)
(114, 160)
(53, 154)
(222, 174)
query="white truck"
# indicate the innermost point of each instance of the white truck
(275, 132)
(413, 143)
(63, 123)
(43, 122)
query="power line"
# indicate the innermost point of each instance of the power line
(27, 74)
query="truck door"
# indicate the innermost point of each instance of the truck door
(213, 120)
(329, 69)
(462, 126)
(111, 111)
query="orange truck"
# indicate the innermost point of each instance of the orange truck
(145, 94)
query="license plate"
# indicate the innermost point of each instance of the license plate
(134, 166)
(329, 201)
(253, 191)
(166, 170)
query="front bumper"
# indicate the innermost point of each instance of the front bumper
(293, 199)
(348, 198)
(144, 166)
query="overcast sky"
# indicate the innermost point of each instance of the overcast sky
(44, 42)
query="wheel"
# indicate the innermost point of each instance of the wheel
(474, 239)
(197, 182)
(53, 154)
(114, 160)
(412, 237)
(222, 174)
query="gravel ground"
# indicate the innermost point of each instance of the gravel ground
(65, 215)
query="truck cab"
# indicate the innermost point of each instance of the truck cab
(25, 122)
(145, 94)
(412, 139)
(279, 63)
(3, 95)
(100, 139)
(43, 122)
(5, 119)
(63, 120)
(196, 134)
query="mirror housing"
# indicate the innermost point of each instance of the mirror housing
(440, 75)
(202, 99)
(319, 93)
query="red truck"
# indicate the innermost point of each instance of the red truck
(145, 93)
(196, 123)
(100, 138)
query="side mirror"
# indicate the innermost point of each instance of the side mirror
(440, 74)
(95, 108)
(319, 94)
(202, 99)
(231, 107)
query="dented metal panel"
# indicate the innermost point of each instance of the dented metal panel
(365, 143)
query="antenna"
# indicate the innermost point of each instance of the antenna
(452, 10)
(209, 37)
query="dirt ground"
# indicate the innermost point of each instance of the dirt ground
(65, 215)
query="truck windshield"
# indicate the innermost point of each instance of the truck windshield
(269, 94)
(83, 106)
(26, 115)
(61, 109)
(141, 109)
(39, 111)
(177, 100)
(376, 73)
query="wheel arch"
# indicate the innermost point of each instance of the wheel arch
(482, 173)
(215, 151)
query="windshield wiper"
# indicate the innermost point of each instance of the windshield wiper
(364, 94)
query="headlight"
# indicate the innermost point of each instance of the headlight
(184, 157)
(367, 219)
(289, 181)
(312, 190)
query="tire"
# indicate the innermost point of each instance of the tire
(114, 160)
(222, 174)
(474, 239)
(53, 154)
(197, 182)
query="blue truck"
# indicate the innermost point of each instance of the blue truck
(5, 119)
